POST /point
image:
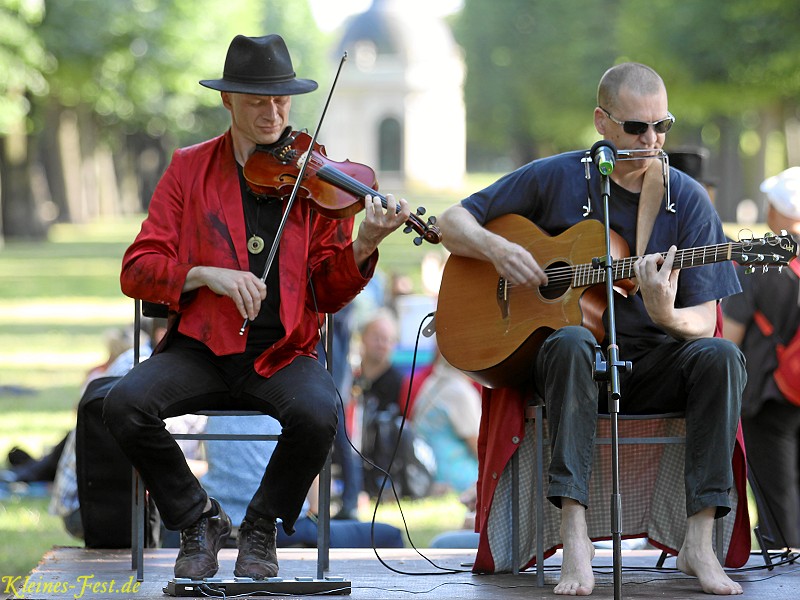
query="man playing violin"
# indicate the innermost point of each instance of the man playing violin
(666, 329)
(202, 251)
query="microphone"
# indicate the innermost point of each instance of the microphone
(604, 155)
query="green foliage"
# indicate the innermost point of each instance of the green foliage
(23, 60)
(718, 58)
(532, 71)
(137, 63)
(533, 65)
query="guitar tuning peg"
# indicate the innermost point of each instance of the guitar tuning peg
(421, 210)
(417, 241)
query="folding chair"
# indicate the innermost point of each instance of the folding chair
(138, 500)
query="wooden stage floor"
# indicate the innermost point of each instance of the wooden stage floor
(63, 572)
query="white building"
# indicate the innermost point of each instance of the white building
(398, 105)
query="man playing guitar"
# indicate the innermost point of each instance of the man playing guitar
(666, 328)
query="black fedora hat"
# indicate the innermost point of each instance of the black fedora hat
(262, 66)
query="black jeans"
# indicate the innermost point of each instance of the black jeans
(187, 377)
(704, 378)
(772, 439)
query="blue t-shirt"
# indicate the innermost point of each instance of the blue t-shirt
(552, 192)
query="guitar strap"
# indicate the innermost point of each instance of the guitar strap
(649, 203)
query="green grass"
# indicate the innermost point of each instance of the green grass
(28, 531)
(56, 300)
(420, 520)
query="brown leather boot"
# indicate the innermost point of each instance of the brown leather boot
(200, 543)
(258, 557)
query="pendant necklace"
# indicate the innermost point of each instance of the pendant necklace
(255, 243)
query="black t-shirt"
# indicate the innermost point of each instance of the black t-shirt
(384, 392)
(552, 192)
(262, 216)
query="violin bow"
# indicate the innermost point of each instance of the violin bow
(275, 243)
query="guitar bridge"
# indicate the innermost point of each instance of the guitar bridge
(502, 297)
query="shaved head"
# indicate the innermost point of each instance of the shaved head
(634, 77)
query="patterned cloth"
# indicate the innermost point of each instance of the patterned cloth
(651, 487)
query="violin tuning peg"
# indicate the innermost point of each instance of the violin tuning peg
(421, 211)
(431, 220)
(417, 241)
(407, 229)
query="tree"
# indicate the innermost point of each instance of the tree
(117, 98)
(532, 73)
(23, 62)
(731, 69)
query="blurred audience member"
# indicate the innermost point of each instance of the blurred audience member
(234, 473)
(376, 390)
(771, 424)
(447, 415)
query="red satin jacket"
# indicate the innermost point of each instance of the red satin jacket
(196, 219)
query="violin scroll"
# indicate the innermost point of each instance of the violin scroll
(427, 230)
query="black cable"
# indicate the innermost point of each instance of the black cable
(388, 477)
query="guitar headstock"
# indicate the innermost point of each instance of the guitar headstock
(767, 251)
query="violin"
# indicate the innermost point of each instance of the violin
(337, 189)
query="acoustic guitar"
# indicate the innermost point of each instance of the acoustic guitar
(492, 330)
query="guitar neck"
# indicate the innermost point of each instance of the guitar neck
(588, 274)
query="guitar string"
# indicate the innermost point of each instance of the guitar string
(624, 265)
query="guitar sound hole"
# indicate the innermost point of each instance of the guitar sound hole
(557, 282)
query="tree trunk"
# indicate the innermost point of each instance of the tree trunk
(20, 219)
(51, 159)
(730, 184)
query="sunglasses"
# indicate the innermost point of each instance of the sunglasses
(640, 127)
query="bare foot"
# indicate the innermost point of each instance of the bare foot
(704, 565)
(697, 557)
(577, 578)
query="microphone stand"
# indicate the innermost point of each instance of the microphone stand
(608, 371)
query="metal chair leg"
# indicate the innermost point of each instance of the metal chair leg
(137, 525)
(515, 512)
(539, 430)
(324, 520)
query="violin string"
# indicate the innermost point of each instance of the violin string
(348, 183)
